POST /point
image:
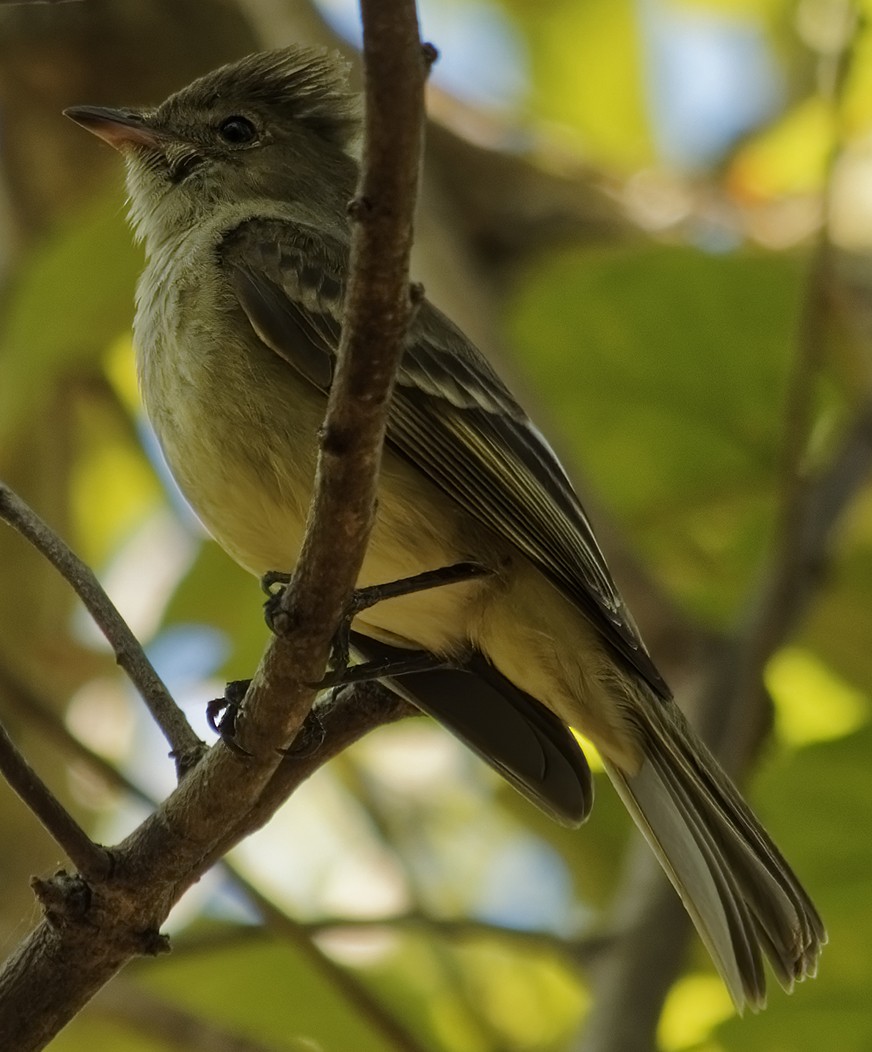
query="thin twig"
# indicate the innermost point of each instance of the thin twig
(806, 513)
(366, 1004)
(450, 972)
(24, 700)
(89, 858)
(185, 745)
(580, 951)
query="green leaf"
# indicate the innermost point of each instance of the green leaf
(816, 801)
(271, 990)
(587, 72)
(71, 298)
(664, 368)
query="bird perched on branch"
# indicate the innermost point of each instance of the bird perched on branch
(239, 186)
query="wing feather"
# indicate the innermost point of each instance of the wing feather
(452, 416)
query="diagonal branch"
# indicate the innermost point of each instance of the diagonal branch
(377, 312)
(357, 707)
(732, 706)
(186, 746)
(93, 930)
(89, 858)
(639, 968)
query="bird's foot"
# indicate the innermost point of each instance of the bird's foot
(222, 713)
(362, 599)
(273, 584)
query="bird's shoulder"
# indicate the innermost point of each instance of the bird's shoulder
(288, 255)
(291, 248)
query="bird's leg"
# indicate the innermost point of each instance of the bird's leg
(412, 661)
(221, 714)
(362, 599)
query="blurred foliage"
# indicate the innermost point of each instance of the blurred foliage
(661, 368)
(648, 353)
(73, 310)
(581, 54)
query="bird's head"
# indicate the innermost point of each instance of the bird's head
(274, 126)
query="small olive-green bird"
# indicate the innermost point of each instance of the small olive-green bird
(239, 186)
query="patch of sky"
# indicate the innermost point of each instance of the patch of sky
(481, 58)
(711, 78)
(526, 886)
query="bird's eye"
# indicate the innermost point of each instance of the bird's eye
(237, 130)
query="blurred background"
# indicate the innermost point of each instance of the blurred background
(656, 217)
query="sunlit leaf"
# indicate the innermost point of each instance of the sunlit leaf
(811, 703)
(695, 1005)
(788, 158)
(587, 71)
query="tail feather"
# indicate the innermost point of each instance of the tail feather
(737, 887)
(743, 943)
(691, 871)
(779, 902)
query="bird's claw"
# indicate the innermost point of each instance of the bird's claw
(221, 714)
(309, 739)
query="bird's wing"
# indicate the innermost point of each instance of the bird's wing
(519, 737)
(451, 416)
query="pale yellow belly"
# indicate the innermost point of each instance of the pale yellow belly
(256, 509)
(248, 475)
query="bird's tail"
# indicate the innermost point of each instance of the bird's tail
(740, 892)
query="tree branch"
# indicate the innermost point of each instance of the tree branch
(730, 709)
(357, 708)
(185, 745)
(89, 858)
(579, 951)
(91, 930)
(40, 714)
(367, 1006)
(377, 312)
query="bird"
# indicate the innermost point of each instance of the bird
(238, 187)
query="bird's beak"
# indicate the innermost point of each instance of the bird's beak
(117, 127)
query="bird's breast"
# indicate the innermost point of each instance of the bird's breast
(238, 427)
